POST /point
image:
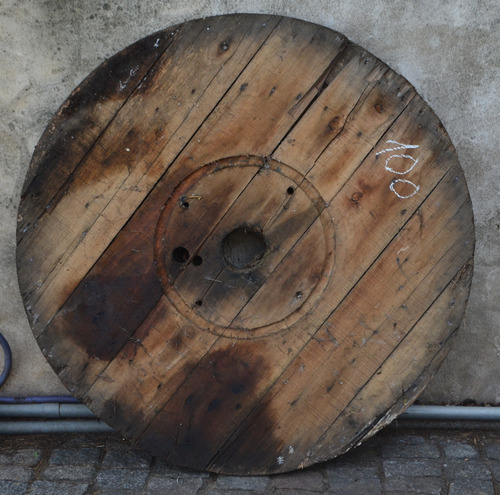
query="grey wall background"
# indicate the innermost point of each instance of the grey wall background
(449, 50)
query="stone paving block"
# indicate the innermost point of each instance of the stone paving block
(73, 457)
(215, 491)
(251, 483)
(22, 457)
(162, 468)
(122, 479)
(282, 492)
(132, 459)
(405, 439)
(57, 488)
(159, 486)
(69, 473)
(12, 488)
(495, 469)
(115, 442)
(86, 440)
(351, 480)
(356, 473)
(492, 450)
(466, 470)
(412, 467)
(358, 486)
(119, 492)
(308, 480)
(471, 487)
(404, 451)
(459, 450)
(341, 473)
(15, 473)
(359, 457)
(417, 485)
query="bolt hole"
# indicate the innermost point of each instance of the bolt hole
(197, 260)
(299, 294)
(180, 254)
(198, 302)
(290, 190)
(185, 205)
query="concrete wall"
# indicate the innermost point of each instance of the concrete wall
(450, 50)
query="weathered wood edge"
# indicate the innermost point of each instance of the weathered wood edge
(81, 104)
(464, 276)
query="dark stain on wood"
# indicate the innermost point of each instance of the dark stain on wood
(194, 423)
(96, 313)
(79, 122)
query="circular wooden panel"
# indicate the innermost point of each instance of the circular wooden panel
(245, 243)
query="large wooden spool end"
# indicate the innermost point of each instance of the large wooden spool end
(245, 243)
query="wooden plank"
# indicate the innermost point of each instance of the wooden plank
(82, 118)
(126, 189)
(234, 301)
(400, 377)
(265, 194)
(145, 219)
(278, 356)
(356, 74)
(242, 253)
(356, 338)
(137, 387)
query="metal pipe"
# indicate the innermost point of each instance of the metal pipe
(452, 413)
(84, 421)
(49, 410)
(77, 410)
(57, 426)
(44, 399)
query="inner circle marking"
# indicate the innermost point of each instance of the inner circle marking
(242, 259)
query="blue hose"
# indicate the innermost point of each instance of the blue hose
(63, 399)
(7, 359)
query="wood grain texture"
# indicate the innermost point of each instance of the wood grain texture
(245, 243)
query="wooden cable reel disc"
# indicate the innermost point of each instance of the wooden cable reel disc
(245, 243)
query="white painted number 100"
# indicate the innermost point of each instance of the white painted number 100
(410, 162)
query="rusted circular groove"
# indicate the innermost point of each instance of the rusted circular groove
(305, 303)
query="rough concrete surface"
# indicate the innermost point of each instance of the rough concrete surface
(450, 51)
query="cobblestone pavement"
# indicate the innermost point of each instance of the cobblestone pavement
(395, 462)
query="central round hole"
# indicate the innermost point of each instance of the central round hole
(244, 248)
